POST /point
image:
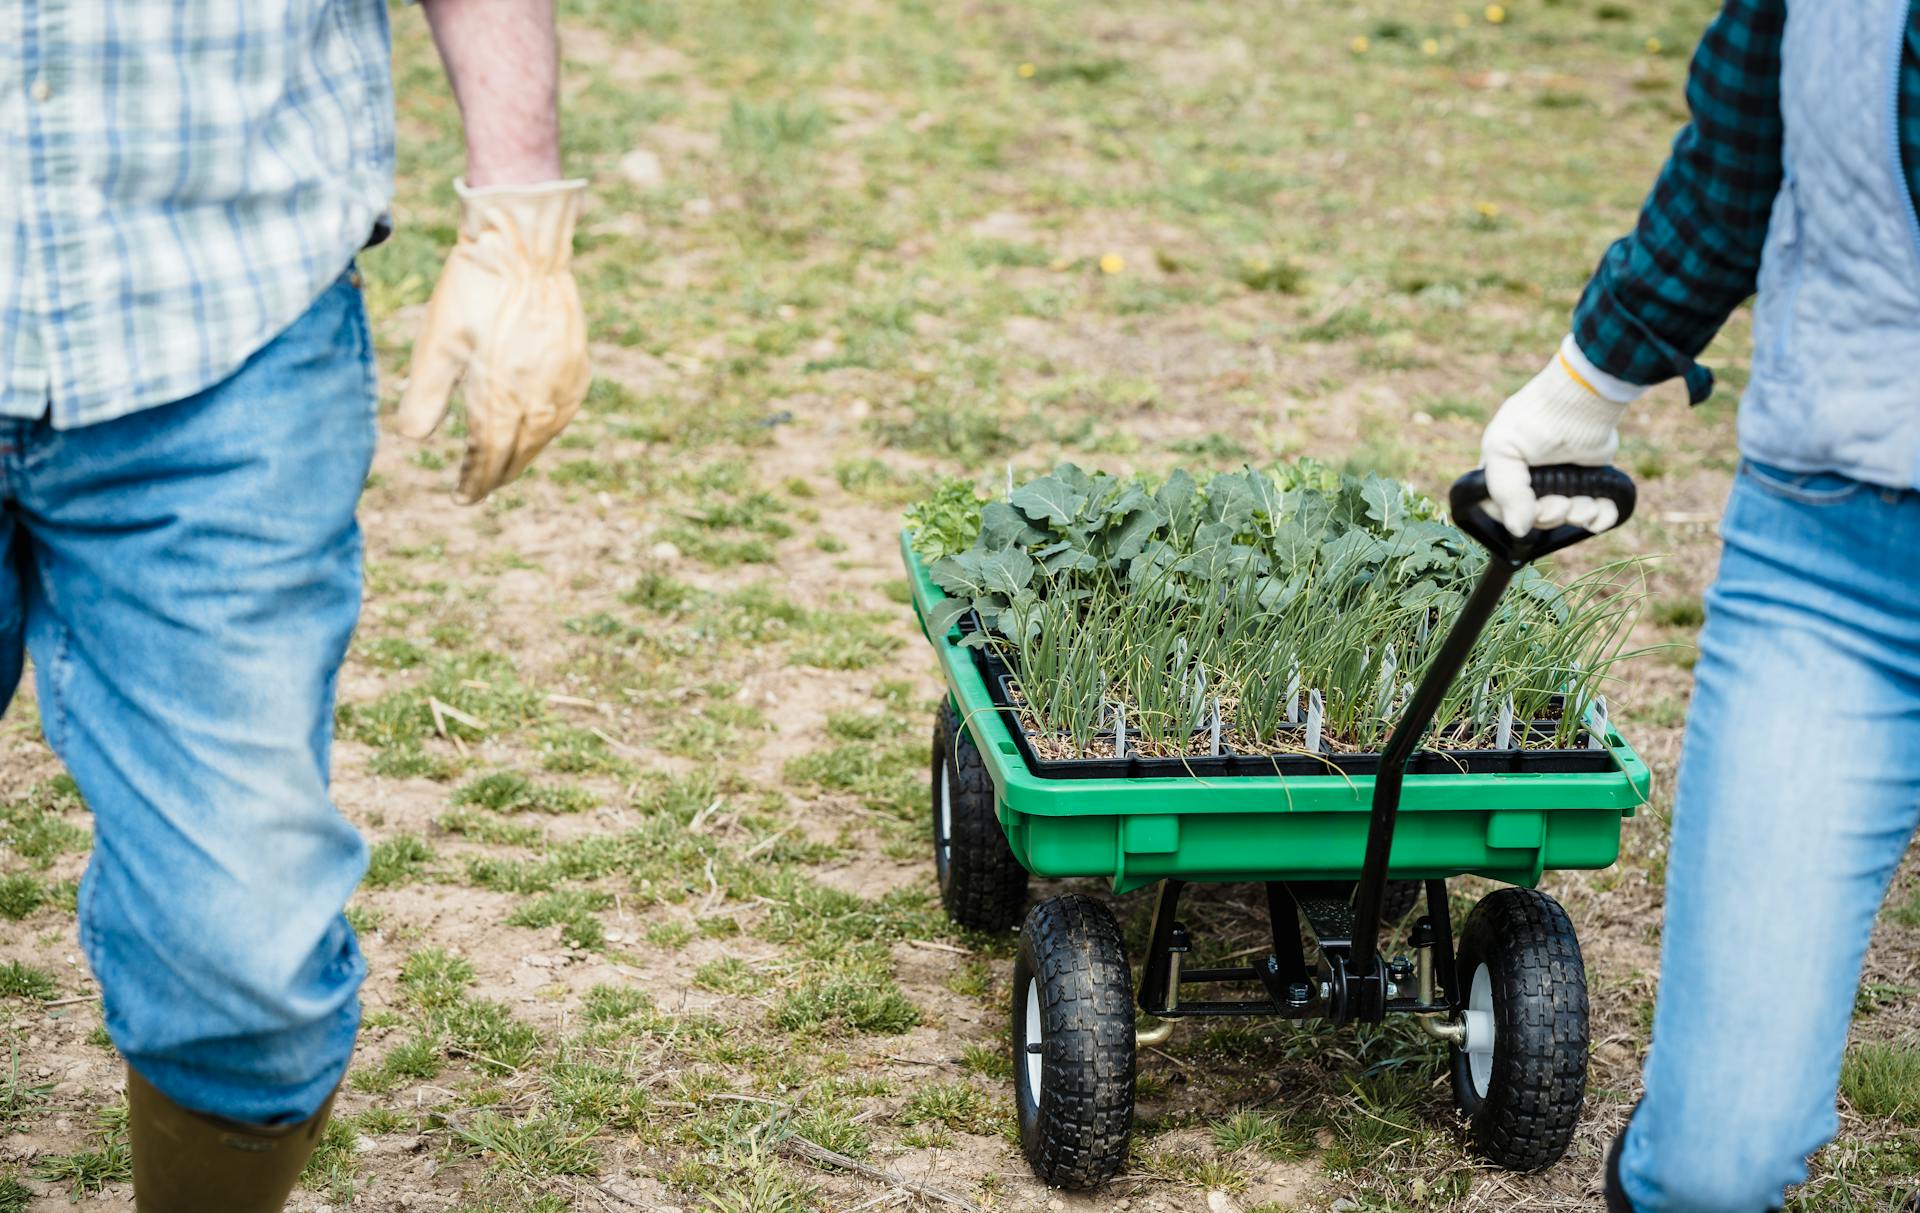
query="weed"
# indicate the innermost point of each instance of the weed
(20, 895)
(957, 1105)
(534, 1147)
(397, 861)
(512, 792)
(853, 996)
(21, 980)
(1883, 1080)
(572, 911)
(435, 977)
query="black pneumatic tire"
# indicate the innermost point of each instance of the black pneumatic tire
(1524, 1117)
(1071, 957)
(1399, 901)
(981, 884)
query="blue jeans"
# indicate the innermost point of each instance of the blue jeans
(186, 579)
(1798, 793)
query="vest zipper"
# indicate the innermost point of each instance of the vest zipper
(1900, 178)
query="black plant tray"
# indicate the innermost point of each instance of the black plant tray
(1230, 765)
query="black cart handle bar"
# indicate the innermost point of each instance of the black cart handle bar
(1510, 554)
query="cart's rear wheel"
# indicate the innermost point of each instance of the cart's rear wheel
(1400, 899)
(1523, 1074)
(1073, 1051)
(982, 885)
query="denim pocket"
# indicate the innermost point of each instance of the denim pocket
(1807, 488)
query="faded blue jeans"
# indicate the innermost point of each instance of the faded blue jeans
(1798, 793)
(186, 579)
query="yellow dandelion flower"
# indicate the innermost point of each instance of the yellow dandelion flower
(1112, 263)
(1653, 46)
(1495, 14)
(1461, 20)
(1359, 44)
(1430, 47)
(1489, 210)
(1026, 71)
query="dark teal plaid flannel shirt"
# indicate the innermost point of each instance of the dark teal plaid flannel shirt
(1660, 294)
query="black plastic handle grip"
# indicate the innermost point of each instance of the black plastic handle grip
(1469, 494)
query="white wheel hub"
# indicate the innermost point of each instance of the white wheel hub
(1480, 1031)
(1036, 1038)
(945, 840)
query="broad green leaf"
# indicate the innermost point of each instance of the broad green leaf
(1065, 558)
(1070, 475)
(1355, 547)
(943, 614)
(1006, 572)
(1178, 498)
(1230, 500)
(1133, 497)
(960, 576)
(1382, 499)
(1049, 499)
(1268, 501)
(1002, 526)
(1130, 538)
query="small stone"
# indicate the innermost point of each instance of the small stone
(1219, 1202)
(643, 168)
(664, 551)
(537, 961)
(697, 208)
(1345, 1205)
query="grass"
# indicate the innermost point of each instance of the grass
(21, 980)
(512, 792)
(664, 698)
(1882, 1080)
(532, 1148)
(85, 1172)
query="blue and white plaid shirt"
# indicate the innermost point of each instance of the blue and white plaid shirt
(179, 180)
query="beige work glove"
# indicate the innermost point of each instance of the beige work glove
(1568, 413)
(505, 323)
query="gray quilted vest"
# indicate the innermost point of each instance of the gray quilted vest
(1836, 333)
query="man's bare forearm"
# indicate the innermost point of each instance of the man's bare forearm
(502, 57)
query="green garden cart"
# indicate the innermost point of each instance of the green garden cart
(1342, 844)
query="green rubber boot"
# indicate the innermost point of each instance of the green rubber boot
(184, 1162)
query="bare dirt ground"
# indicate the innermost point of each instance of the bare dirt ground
(640, 744)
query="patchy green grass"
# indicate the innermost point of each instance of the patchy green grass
(1882, 1080)
(656, 714)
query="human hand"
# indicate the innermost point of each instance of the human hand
(1557, 417)
(505, 323)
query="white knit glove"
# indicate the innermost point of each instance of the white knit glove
(1568, 413)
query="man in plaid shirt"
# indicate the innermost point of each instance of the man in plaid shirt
(186, 420)
(1799, 788)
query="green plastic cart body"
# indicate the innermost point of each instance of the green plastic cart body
(1134, 832)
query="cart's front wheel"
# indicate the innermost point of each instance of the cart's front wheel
(981, 884)
(1522, 1075)
(1073, 1050)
